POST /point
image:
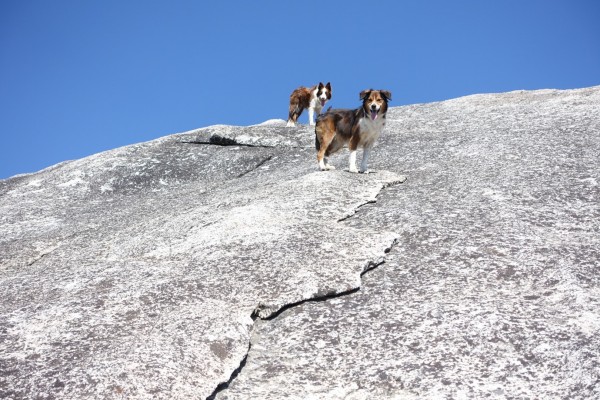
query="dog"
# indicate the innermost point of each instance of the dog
(313, 98)
(357, 128)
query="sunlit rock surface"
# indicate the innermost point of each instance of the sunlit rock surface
(181, 267)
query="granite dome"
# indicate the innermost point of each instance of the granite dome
(220, 263)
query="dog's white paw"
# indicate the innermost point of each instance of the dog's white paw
(327, 167)
(353, 170)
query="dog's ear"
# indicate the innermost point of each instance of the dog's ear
(321, 86)
(365, 93)
(328, 86)
(387, 94)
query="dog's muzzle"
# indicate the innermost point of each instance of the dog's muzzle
(374, 112)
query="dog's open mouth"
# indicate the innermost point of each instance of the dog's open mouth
(323, 102)
(373, 114)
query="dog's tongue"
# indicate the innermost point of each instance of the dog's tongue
(322, 103)
(373, 114)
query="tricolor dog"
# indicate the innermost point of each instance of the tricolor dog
(357, 128)
(313, 98)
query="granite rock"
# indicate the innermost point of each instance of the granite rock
(493, 289)
(221, 263)
(139, 272)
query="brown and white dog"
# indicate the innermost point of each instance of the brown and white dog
(313, 98)
(357, 128)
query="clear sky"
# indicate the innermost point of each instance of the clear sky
(79, 77)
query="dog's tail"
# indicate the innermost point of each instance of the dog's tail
(294, 111)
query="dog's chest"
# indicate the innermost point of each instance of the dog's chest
(315, 102)
(370, 130)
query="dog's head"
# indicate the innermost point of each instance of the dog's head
(375, 102)
(323, 93)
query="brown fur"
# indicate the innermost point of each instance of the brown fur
(336, 128)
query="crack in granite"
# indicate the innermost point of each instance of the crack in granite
(50, 249)
(223, 142)
(257, 166)
(370, 266)
(41, 256)
(374, 200)
(256, 313)
(224, 385)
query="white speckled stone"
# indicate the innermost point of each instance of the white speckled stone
(144, 272)
(135, 273)
(493, 290)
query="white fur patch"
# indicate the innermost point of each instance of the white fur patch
(324, 166)
(315, 104)
(370, 130)
(352, 162)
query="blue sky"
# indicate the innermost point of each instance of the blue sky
(79, 77)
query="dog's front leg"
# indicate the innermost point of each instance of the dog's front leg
(352, 163)
(353, 146)
(311, 116)
(365, 160)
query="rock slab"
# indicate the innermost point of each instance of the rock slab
(493, 289)
(160, 269)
